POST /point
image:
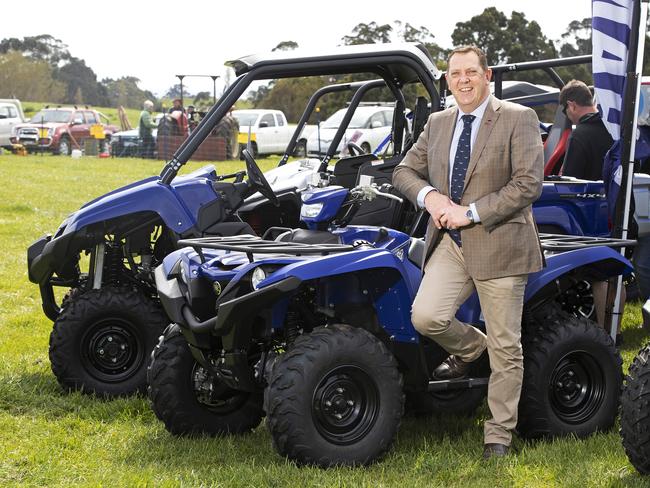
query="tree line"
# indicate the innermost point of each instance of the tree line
(42, 68)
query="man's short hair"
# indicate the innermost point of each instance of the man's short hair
(578, 92)
(148, 104)
(482, 58)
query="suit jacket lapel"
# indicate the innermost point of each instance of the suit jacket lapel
(442, 156)
(490, 117)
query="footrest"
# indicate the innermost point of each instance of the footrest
(463, 383)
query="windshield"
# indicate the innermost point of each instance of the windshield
(248, 118)
(358, 120)
(45, 116)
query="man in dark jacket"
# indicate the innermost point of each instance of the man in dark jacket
(590, 139)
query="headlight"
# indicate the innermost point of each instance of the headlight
(259, 275)
(311, 211)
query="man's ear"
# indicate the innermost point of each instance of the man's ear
(488, 74)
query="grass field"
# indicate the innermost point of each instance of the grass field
(51, 438)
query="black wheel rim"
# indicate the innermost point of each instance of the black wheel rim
(577, 387)
(112, 350)
(345, 405)
(578, 300)
(213, 394)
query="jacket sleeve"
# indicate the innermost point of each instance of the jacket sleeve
(411, 174)
(527, 173)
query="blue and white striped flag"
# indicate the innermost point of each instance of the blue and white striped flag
(611, 33)
(611, 27)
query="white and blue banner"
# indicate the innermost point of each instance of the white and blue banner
(611, 28)
(611, 33)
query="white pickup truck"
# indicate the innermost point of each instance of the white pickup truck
(269, 132)
(11, 113)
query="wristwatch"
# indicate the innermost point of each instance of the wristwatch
(470, 215)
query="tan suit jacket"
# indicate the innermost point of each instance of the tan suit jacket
(504, 178)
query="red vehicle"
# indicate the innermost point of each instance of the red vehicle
(62, 129)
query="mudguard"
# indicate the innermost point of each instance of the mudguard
(602, 261)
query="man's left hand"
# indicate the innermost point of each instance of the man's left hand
(453, 217)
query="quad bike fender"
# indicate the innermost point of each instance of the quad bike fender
(177, 205)
(339, 264)
(600, 263)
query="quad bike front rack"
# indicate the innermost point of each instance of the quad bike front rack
(251, 245)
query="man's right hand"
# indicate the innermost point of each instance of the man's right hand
(435, 202)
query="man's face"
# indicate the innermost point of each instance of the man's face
(468, 82)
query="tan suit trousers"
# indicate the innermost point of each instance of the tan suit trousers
(446, 284)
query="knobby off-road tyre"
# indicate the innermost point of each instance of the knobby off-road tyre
(102, 340)
(572, 376)
(635, 412)
(335, 398)
(190, 401)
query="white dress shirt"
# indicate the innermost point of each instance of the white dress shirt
(478, 113)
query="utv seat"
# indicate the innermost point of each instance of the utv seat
(556, 143)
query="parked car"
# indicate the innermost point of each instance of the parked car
(11, 113)
(61, 129)
(369, 126)
(270, 132)
(126, 143)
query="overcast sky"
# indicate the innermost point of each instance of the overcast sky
(154, 41)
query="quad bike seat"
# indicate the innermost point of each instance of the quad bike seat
(308, 236)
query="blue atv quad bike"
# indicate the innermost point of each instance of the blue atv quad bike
(635, 407)
(109, 321)
(317, 337)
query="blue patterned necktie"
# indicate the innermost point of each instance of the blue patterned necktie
(461, 162)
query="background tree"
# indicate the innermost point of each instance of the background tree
(286, 46)
(81, 84)
(43, 47)
(125, 92)
(504, 39)
(368, 34)
(28, 79)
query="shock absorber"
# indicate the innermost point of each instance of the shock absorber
(292, 326)
(113, 263)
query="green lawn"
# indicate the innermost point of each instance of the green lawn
(50, 438)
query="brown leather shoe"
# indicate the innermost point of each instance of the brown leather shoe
(495, 451)
(452, 368)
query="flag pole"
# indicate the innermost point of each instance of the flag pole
(628, 139)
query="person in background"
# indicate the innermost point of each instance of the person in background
(146, 124)
(192, 118)
(590, 140)
(177, 105)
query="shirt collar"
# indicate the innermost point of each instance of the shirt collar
(478, 111)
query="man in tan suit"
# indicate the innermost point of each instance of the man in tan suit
(477, 168)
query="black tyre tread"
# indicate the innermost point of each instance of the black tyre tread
(68, 328)
(174, 403)
(635, 412)
(285, 419)
(542, 333)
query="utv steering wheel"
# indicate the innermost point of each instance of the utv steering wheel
(355, 149)
(257, 179)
